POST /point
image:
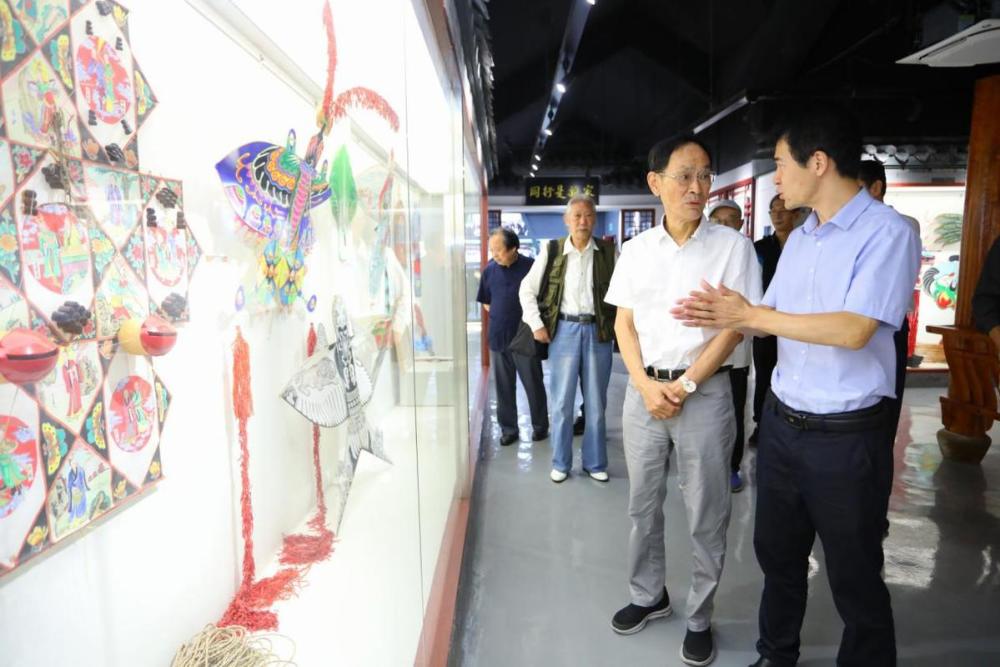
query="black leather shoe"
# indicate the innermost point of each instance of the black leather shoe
(540, 434)
(580, 425)
(698, 648)
(508, 439)
(764, 662)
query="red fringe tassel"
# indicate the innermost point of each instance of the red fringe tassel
(331, 64)
(306, 549)
(364, 98)
(249, 606)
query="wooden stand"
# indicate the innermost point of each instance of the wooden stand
(970, 407)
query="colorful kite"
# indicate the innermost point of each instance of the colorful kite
(272, 189)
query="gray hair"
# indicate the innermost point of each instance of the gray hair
(581, 199)
(510, 240)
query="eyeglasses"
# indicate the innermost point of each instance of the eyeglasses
(684, 178)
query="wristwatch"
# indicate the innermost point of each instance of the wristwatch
(690, 386)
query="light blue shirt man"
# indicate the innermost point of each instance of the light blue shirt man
(864, 260)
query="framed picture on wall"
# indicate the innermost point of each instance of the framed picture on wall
(634, 221)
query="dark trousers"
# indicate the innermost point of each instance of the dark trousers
(901, 340)
(506, 366)
(738, 381)
(828, 484)
(765, 357)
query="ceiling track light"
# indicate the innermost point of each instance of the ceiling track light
(548, 132)
(534, 167)
(537, 156)
(561, 87)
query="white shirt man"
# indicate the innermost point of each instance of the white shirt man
(679, 395)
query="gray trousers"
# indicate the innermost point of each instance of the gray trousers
(506, 366)
(702, 435)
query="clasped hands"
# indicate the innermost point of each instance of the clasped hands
(710, 307)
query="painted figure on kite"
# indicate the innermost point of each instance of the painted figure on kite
(332, 388)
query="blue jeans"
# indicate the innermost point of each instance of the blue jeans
(575, 353)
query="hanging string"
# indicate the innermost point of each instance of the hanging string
(230, 647)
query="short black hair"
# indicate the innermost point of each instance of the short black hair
(510, 240)
(871, 172)
(659, 154)
(825, 127)
(770, 204)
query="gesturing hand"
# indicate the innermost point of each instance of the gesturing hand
(720, 308)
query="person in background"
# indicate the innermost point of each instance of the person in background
(727, 212)
(563, 303)
(679, 396)
(841, 289)
(986, 300)
(871, 176)
(498, 292)
(765, 348)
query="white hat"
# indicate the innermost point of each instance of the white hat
(724, 203)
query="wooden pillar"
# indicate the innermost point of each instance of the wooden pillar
(970, 407)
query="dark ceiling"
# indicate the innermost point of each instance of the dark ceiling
(650, 69)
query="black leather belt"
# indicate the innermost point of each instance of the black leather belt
(582, 319)
(864, 419)
(669, 375)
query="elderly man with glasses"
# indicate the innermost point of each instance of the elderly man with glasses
(679, 395)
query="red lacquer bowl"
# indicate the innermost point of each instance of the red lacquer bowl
(26, 356)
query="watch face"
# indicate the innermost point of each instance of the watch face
(689, 385)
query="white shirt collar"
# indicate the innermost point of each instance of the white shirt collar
(700, 232)
(568, 246)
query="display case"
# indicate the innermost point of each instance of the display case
(319, 157)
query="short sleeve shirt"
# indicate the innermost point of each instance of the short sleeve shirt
(653, 272)
(864, 260)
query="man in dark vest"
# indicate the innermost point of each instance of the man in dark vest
(563, 301)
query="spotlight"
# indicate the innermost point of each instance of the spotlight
(534, 167)
(591, 2)
(548, 132)
(537, 156)
(561, 87)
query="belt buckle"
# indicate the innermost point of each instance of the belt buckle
(796, 420)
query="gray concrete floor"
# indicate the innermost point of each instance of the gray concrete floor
(545, 564)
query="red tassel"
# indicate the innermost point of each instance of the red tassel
(331, 63)
(242, 397)
(243, 408)
(364, 98)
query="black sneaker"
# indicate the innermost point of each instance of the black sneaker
(580, 425)
(698, 648)
(539, 434)
(633, 618)
(508, 439)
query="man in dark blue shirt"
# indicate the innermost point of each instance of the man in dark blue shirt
(498, 291)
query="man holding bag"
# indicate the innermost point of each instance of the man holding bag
(563, 302)
(498, 292)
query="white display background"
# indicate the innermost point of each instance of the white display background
(135, 586)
